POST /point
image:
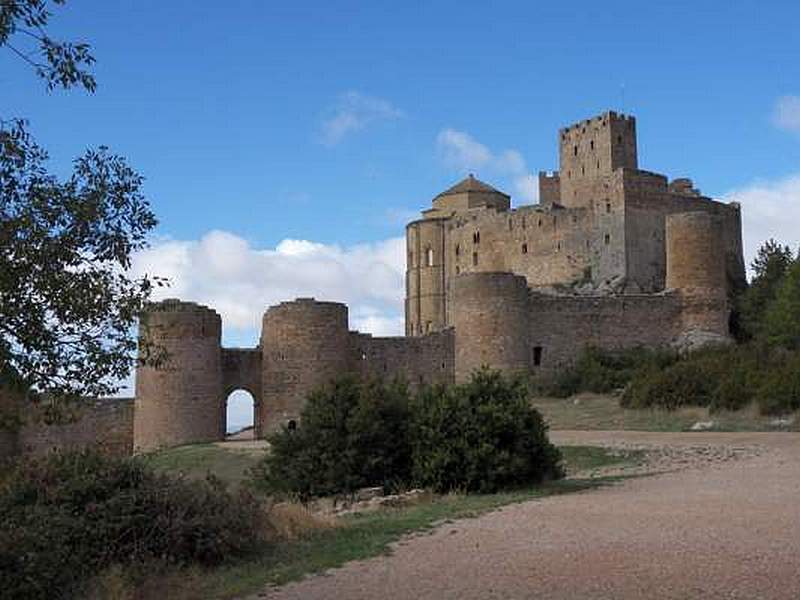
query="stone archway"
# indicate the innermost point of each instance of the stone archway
(240, 415)
(241, 373)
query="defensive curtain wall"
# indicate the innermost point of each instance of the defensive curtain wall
(613, 257)
(499, 321)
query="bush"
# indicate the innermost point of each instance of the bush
(601, 371)
(475, 437)
(351, 435)
(480, 436)
(678, 385)
(722, 378)
(70, 515)
(779, 391)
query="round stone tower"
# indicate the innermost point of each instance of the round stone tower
(180, 401)
(425, 276)
(696, 270)
(304, 344)
(491, 319)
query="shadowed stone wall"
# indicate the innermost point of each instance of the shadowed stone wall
(106, 424)
(181, 401)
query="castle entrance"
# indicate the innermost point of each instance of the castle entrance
(240, 413)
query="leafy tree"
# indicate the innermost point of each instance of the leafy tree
(782, 318)
(769, 267)
(67, 304)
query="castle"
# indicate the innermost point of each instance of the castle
(612, 256)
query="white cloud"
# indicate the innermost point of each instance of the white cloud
(353, 112)
(225, 272)
(770, 209)
(459, 150)
(787, 113)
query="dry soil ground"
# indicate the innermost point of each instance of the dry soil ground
(721, 519)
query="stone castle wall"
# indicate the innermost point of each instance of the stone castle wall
(106, 424)
(649, 201)
(491, 322)
(180, 402)
(600, 224)
(304, 344)
(613, 257)
(420, 360)
(696, 269)
(561, 326)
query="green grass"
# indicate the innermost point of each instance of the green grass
(602, 412)
(358, 536)
(581, 459)
(229, 462)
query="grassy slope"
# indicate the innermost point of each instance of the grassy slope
(229, 462)
(595, 411)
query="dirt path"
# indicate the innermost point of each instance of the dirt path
(722, 528)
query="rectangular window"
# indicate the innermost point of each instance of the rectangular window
(607, 239)
(537, 356)
(524, 248)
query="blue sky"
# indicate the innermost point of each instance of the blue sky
(294, 139)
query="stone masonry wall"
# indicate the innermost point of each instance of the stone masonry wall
(305, 344)
(106, 424)
(491, 323)
(648, 203)
(417, 360)
(560, 326)
(180, 401)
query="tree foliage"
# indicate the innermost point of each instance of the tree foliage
(481, 436)
(782, 315)
(769, 268)
(68, 516)
(352, 435)
(59, 63)
(67, 303)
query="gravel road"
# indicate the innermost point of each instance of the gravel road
(720, 520)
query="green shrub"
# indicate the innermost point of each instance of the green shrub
(779, 391)
(480, 436)
(601, 371)
(476, 437)
(721, 378)
(681, 384)
(70, 515)
(351, 435)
